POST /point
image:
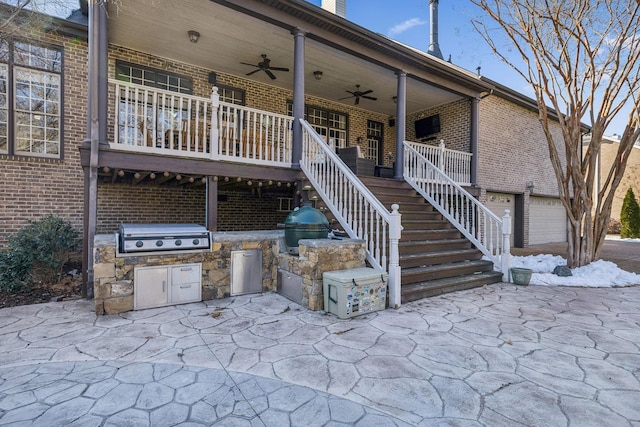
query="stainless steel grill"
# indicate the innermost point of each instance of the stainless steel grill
(163, 237)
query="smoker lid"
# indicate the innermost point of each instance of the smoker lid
(161, 229)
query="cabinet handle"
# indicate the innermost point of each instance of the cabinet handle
(185, 286)
(164, 286)
(186, 269)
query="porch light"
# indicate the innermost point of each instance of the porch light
(317, 74)
(194, 36)
(530, 186)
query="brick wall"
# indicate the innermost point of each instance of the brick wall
(513, 149)
(455, 123)
(32, 188)
(126, 203)
(251, 210)
(630, 179)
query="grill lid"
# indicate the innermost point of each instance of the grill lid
(161, 230)
(163, 237)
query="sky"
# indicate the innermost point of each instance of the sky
(407, 21)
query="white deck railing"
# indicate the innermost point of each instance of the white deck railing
(455, 164)
(163, 122)
(475, 221)
(357, 210)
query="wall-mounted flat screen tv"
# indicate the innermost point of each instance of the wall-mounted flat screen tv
(427, 126)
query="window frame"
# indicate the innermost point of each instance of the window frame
(328, 117)
(11, 98)
(155, 82)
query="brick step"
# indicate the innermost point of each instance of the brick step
(424, 259)
(418, 246)
(441, 271)
(416, 291)
(421, 235)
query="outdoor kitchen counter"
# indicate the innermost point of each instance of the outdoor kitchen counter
(114, 287)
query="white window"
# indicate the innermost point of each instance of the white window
(31, 99)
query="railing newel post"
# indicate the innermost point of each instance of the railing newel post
(506, 245)
(395, 233)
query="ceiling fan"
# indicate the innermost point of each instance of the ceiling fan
(357, 95)
(265, 65)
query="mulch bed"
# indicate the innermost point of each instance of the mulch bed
(69, 287)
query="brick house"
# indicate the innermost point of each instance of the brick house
(141, 95)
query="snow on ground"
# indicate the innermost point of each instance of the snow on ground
(600, 274)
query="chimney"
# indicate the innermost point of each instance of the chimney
(434, 47)
(337, 7)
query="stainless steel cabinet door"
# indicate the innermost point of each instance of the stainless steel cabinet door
(151, 287)
(246, 272)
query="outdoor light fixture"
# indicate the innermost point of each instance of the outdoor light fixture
(317, 75)
(530, 186)
(194, 36)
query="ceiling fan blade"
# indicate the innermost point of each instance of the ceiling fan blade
(252, 72)
(346, 97)
(270, 74)
(246, 63)
(370, 97)
(279, 68)
(357, 101)
(366, 92)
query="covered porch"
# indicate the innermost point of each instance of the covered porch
(354, 87)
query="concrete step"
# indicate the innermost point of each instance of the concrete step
(416, 291)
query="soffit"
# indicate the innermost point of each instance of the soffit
(229, 36)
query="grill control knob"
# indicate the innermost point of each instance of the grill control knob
(139, 244)
(178, 242)
(159, 242)
(196, 241)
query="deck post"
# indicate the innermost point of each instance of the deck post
(298, 95)
(401, 120)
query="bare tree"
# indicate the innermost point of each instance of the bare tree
(27, 17)
(581, 59)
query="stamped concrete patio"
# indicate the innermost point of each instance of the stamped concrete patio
(496, 356)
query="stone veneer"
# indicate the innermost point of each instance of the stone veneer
(113, 275)
(318, 256)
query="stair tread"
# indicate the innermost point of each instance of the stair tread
(415, 291)
(447, 266)
(430, 242)
(439, 253)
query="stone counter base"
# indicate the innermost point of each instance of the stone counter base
(114, 275)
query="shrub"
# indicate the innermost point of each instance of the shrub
(37, 253)
(630, 216)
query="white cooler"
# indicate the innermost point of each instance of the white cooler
(349, 293)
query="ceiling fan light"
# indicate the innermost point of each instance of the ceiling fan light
(317, 74)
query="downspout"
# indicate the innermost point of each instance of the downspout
(298, 95)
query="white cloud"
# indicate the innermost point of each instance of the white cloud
(404, 26)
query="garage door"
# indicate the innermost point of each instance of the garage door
(547, 221)
(498, 202)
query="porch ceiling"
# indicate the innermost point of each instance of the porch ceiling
(228, 37)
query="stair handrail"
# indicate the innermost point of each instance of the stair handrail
(359, 212)
(489, 233)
